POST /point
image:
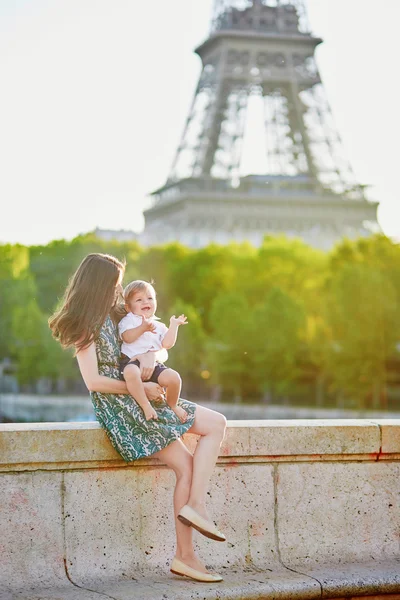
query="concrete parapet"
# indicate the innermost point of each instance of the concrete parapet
(310, 508)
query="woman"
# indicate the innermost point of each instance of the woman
(88, 320)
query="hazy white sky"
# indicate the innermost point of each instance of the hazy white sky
(94, 95)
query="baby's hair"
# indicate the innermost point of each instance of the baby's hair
(137, 286)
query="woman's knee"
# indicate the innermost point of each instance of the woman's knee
(221, 425)
(208, 422)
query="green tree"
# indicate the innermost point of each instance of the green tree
(188, 355)
(208, 272)
(231, 345)
(258, 317)
(363, 313)
(28, 324)
(291, 265)
(16, 287)
(158, 265)
(52, 265)
(276, 340)
(36, 353)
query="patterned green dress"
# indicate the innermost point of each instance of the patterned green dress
(120, 415)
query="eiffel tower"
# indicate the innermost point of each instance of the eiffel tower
(263, 49)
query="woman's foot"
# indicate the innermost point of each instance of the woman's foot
(200, 508)
(190, 517)
(198, 572)
(192, 561)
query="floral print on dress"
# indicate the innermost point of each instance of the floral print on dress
(121, 416)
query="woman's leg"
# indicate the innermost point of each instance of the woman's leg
(210, 425)
(177, 457)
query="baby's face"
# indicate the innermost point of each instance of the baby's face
(143, 304)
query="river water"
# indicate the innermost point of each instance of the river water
(33, 408)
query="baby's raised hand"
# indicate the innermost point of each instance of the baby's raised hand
(148, 325)
(181, 320)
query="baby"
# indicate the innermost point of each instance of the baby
(142, 332)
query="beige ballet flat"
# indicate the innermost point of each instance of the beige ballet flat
(190, 517)
(179, 568)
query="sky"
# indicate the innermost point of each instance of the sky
(94, 95)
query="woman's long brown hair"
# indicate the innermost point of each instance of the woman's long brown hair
(88, 299)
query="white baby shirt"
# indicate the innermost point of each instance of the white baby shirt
(147, 342)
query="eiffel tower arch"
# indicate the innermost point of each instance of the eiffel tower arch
(261, 48)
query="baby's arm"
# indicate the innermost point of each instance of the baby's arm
(172, 333)
(131, 335)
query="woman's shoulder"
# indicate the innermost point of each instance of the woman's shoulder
(107, 340)
(108, 328)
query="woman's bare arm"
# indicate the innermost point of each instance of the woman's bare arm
(87, 361)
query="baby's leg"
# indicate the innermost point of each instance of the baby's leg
(172, 382)
(135, 387)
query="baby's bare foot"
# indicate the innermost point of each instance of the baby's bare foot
(180, 413)
(150, 413)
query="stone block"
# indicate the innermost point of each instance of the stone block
(241, 501)
(237, 439)
(121, 523)
(32, 541)
(54, 443)
(390, 429)
(103, 525)
(338, 513)
(293, 437)
(374, 576)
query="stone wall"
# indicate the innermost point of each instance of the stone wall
(297, 494)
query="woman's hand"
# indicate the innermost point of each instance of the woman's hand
(153, 391)
(147, 363)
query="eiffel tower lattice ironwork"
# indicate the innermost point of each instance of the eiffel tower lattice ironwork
(263, 48)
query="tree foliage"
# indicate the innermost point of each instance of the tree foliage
(260, 320)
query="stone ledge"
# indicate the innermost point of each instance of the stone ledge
(356, 580)
(33, 446)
